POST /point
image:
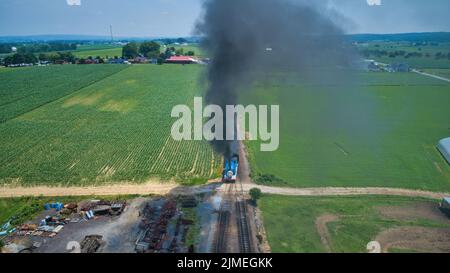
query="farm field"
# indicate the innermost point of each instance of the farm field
(191, 47)
(94, 51)
(114, 130)
(25, 89)
(439, 72)
(348, 224)
(428, 52)
(379, 129)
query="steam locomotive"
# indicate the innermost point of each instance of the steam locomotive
(230, 169)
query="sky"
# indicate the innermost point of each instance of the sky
(176, 18)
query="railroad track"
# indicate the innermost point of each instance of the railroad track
(233, 203)
(223, 220)
(244, 231)
(245, 245)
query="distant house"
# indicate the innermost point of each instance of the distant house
(444, 148)
(140, 60)
(372, 66)
(118, 61)
(91, 61)
(181, 60)
(398, 68)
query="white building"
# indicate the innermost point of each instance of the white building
(444, 148)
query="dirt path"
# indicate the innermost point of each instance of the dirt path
(421, 239)
(431, 75)
(322, 229)
(165, 188)
(336, 191)
(115, 189)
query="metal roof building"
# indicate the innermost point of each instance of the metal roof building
(444, 148)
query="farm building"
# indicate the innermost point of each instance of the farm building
(444, 148)
(181, 60)
(398, 68)
(446, 203)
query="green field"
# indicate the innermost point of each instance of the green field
(116, 128)
(25, 89)
(103, 51)
(428, 52)
(439, 72)
(191, 47)
(290, 222)
(372, 129)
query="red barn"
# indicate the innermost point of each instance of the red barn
(181, 60)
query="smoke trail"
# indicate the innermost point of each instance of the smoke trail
(248, 38)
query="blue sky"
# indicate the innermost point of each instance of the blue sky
(177, 17)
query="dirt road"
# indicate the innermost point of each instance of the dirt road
(431, 75)
(115, 189)
(346, 191)
(170, 187)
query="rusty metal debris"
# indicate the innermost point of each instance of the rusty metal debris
(91, 243)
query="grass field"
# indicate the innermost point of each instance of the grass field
(439, 72)
(103, 51)
(25, 89)
(378, 129)
(191, 47)
(115, 129)
(428, 52)
(290, 222)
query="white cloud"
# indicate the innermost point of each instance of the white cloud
(374, 2)
(74, 2)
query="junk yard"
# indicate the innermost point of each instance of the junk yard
(211, 218)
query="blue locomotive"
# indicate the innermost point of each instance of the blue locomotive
(230, 169)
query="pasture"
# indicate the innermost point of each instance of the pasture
(427, 51)
(103, 51)
(375, 129)
(116, 129)
(25, 89)
(348, 224)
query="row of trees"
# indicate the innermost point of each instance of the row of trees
(38, 47)
(147, 49)
(402, 53)
(152, 50)
(30, 58)
(20, 58)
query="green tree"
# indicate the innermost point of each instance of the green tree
(43, 57)
(179, 52)
(150, 49)
(30, 58)
(255, 194)
(130, 50)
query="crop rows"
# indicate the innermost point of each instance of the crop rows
(117, 129)
(25, 89)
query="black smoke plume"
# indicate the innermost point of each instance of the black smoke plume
(246, 39)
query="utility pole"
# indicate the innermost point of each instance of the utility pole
(111, 31)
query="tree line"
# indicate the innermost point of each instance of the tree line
(38, 47)
(152, 50)
(30, 58)
(402, 53)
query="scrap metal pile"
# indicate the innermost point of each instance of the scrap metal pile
(62, 214)
(163, 228)
(91, 243)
